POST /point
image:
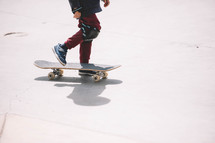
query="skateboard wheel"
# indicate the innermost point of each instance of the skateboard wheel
(60, 72)
(96, 77)
(105, 74)
(51, 76)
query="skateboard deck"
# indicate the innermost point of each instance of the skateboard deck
(100, 69)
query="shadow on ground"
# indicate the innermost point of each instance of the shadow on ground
(85, 92)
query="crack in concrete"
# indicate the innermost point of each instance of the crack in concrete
(3, 125)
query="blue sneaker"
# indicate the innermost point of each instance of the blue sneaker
(60, 54)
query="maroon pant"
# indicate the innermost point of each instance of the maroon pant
(85, 46)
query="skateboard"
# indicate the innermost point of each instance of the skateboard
(100, 69)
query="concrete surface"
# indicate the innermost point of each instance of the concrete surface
(163, 93)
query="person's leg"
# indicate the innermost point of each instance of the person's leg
(85, 51)
(74, 40)
(85, 46)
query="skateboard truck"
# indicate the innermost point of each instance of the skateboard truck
(99, 75)
(58, 72)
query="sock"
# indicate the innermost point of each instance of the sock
(64, 46)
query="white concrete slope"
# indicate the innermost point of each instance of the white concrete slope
(163, 93)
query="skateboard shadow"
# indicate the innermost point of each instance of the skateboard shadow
(86, 92)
